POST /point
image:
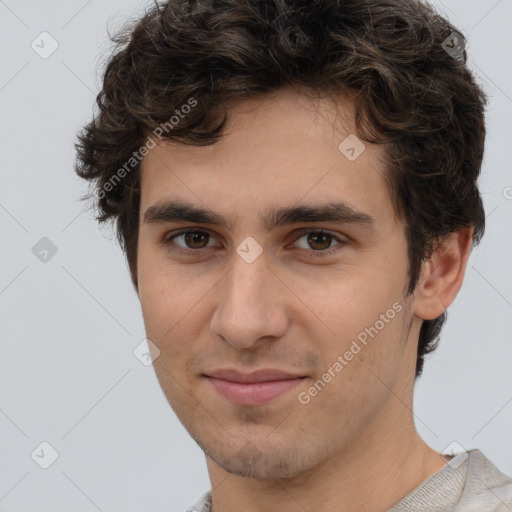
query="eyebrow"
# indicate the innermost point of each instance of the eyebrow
(178, 210)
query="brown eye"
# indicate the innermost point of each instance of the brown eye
(191, 240)
(319, 241)
(196, 239)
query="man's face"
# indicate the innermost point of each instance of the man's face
(212, 301)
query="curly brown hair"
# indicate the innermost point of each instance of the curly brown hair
(392, 56)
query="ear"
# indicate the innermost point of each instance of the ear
(442, 275)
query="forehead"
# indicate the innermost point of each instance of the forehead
(279, 150)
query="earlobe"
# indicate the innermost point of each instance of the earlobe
(442, 275)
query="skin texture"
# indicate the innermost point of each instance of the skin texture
(354, 445)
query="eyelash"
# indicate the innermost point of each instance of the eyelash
(169, 241)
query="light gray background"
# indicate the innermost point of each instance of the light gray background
(69, 326)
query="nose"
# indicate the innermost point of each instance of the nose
(251, 304)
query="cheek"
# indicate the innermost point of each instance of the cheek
(161, 305)
(174, 303)
(359, 326)
(349, 299)
(362, 363)
(169, 322)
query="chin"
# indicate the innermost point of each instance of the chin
(253, 462)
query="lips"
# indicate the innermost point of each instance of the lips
(264, 375)
(256, 388)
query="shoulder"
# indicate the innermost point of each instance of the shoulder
(203, 505)
(486, 488)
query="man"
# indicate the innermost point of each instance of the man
(294, 184)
